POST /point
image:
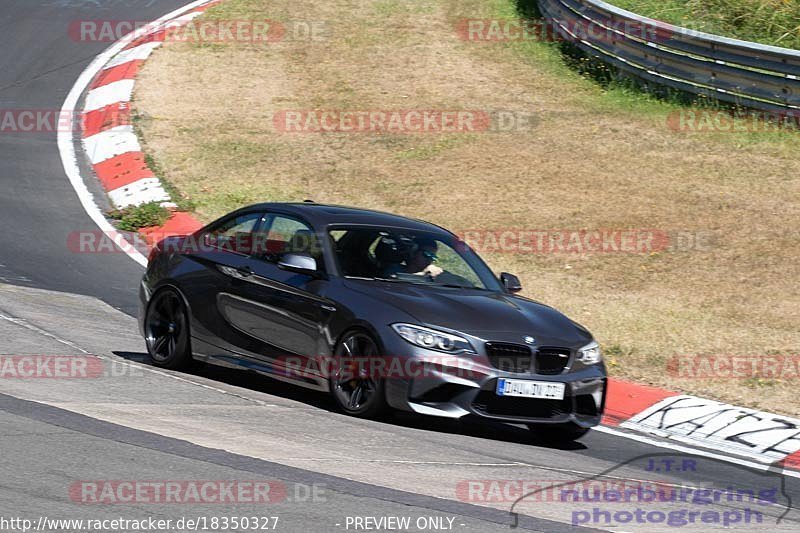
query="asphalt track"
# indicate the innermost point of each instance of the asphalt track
(38, 207)
(137, 423)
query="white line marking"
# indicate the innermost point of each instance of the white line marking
(31, 327)
(183, 19)
(118, 360)
(137, 53)
(111, 143)
(139, 192)
(65, 138)
(119, 91)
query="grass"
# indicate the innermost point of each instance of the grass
(622, 94)
(432, 150)
(181, 201)
(774, 22)
(597, 157)
(142, 216)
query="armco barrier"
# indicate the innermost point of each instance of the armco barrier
(737, 72)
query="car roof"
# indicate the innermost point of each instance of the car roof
(323, 215)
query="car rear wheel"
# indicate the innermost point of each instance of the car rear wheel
(558, 433)
(356, 391)
(167, 331)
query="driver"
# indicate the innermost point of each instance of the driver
(420, 260)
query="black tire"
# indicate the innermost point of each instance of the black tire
(166, 330)
(357, 394)
(558, 433)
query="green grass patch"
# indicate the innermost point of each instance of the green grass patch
(142, 216)
(773, 22)
(601, 88)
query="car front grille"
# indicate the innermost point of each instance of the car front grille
(510, 357)
(551, 361)
(521, 359)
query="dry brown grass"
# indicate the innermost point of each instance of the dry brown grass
(589, 163)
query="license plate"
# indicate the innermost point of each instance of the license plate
(530, 389)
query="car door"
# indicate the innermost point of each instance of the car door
(283, 314)
(215, 264)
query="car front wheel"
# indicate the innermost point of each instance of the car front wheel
(355, 389)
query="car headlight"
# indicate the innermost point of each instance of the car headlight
(433, 339)
(590, 354)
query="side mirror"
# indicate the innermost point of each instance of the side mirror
(510, 282)
(302, 264)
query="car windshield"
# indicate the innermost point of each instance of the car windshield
(410, 256)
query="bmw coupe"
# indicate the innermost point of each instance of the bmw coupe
(381, 311)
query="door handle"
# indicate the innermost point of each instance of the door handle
(244, 271)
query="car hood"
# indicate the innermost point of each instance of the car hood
(482, 314)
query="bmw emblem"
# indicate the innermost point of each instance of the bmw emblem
(529, 340)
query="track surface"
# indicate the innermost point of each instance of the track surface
(143, 424)
(38, 66)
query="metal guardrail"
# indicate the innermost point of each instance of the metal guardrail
(737, 72)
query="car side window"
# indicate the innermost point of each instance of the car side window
(286, 235)
(234, 234)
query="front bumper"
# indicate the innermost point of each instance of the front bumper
(455, 386)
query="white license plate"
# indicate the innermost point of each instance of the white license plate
(530, 389)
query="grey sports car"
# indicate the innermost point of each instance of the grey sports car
(379, 310)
